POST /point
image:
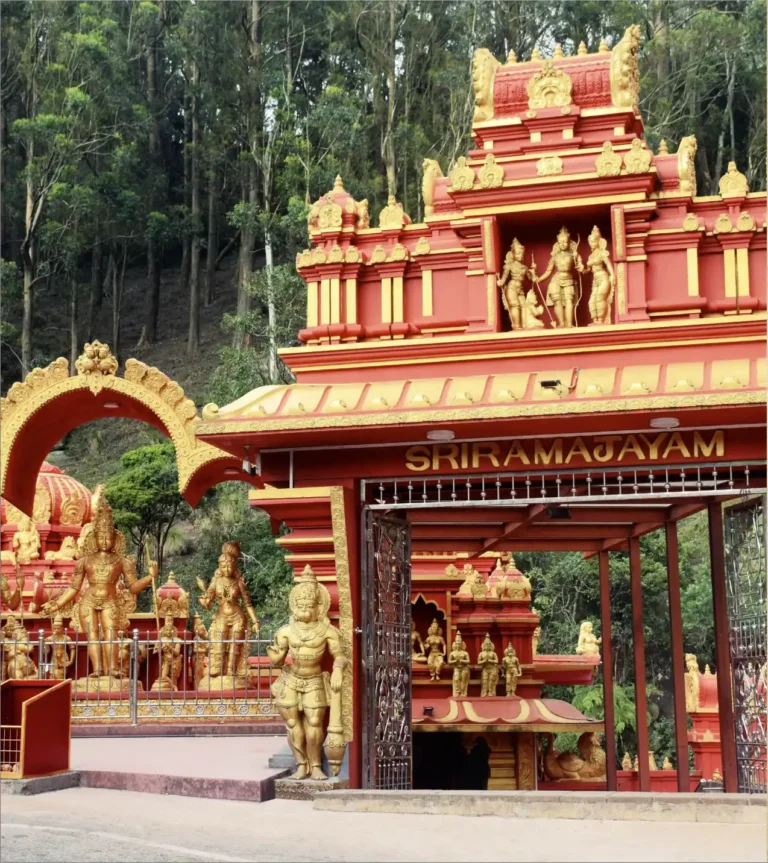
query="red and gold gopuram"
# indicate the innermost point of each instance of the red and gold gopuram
(566, 354)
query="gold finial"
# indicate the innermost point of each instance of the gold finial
(582, 49)
(667, 765)
(733, 183)
(511, 58)
(604, 49)
(307, 576)
(558, 55)
(338, 184)
(663, 151)
(535, 54)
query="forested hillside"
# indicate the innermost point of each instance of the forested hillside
(158, 160)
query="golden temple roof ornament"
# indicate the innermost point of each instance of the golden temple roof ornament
(95, 362)
(484, 66)
(491, 175)
(603, 49)
(638, 159)
(582, 49)
(686, 167)
(558, 53)
(663, 149)
(511, 58)
(462, 177)
(608, 163)
(327, 213)
(535, 56)
(422, 247)
(392, 217)
(723, 224)
(550, 87)
(625, 75)
(733, 184)
(549, 165)
(746, 222)
(432, 172)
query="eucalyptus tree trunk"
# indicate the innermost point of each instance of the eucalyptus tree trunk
(211, 256)
(193, 339)
(74, 340)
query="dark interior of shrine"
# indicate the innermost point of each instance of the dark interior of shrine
(442, 763)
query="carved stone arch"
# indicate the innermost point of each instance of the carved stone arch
(49, 403)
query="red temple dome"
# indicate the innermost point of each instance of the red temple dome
(59, 500)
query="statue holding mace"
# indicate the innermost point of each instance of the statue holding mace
(566, 264)
(304, 691)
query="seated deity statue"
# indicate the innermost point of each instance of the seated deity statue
(26, 541)
(417, 645)
(474, 584)
(17, 652)
(304, 691)
(589, 644)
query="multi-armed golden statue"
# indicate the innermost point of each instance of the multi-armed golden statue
(304, 691)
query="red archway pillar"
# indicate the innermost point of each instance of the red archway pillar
(678, 657)
(722, 646)
(605, 632)
(638, 639)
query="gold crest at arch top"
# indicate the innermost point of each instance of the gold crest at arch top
(549, 88)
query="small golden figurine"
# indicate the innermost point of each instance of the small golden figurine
(68, 550)
(511, 283)
(667, 765)
(459, 661)
(101, 607)
(200, 649)
(691, 683)
(474, 584)
(565, 262)
(568, 765)
(17, 650)
(61, 649)
(26, 541)
(488, 661)
(510, 665)
(227, 662)
(417, 645)
(536, 636)
(626, 762)
(124, 657)
(12, 598)
(532, 312)
(603, 278)
(303, 692)
(169, 648)
(436, 647)
(588, 644)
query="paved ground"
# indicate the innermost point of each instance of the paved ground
(87, 825)
(205, 757)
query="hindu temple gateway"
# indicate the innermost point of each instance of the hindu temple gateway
(568, 353)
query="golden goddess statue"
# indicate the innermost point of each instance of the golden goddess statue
(589, 644)
(459, 660)
(488, 661)
(101, 606)
(303, 691)
(227, 667)
(436, 648)
(565, 262)
(510, 665)
(603, 278)
(26, 541)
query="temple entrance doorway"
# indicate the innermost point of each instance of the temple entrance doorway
(408, 523)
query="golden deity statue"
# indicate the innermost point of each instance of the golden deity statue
(436, 649)
(565, 262)
(603, 278)
(61, 649)
(169, 647)
(124, 657)
(510, 666)
(101, 607)
(474, 584)
(26, 541)
(532, 312)
(488, 661)
(17, 652)
(228, 667)
(511, 283)
(626, 762)
(691, 683)
(200, 649)
(568, 765)
(589, 644)
(12, 598)
(417, 645)
(459, 661)
(304, 691)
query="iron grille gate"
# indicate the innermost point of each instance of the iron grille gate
(387, 743)
(746, 590)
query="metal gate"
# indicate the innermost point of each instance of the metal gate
(387, 742)
(746, 587)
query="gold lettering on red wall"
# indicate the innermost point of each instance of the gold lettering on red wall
(512, 455)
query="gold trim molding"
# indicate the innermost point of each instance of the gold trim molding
(341, 552)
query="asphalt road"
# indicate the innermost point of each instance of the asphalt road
(85, 824)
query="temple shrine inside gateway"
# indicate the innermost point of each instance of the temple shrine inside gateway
(565, 356)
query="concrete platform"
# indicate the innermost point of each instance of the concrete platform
(306, 789)
(224, 768)
(40, 784)
(587, 805)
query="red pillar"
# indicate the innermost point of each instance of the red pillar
(722, 647)
(638, 639)
(605, 631)
(678, 657)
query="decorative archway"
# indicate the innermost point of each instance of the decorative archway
(49, 403)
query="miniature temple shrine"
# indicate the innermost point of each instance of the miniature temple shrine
(566, 354)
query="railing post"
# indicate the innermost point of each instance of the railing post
(134, 691)
(40, 652)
